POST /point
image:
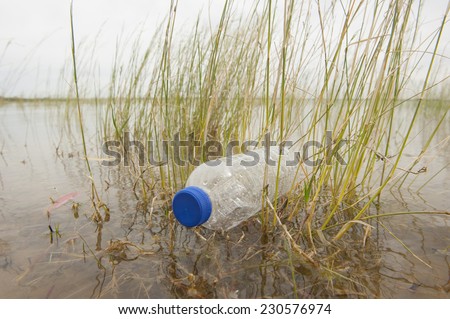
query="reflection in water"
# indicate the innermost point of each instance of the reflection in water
(5, 251)
(137, 250)
(403, 272)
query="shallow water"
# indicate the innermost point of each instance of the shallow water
(40, 158)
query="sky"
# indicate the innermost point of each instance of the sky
(35, 35)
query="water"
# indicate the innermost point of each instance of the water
(40, 158)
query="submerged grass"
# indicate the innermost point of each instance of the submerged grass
(315, 68)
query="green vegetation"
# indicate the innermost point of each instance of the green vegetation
(296, 77)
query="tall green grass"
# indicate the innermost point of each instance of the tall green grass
(97, 203)
(343, 67)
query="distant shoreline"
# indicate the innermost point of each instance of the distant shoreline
(15, 99)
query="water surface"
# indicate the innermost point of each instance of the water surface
(156, 257)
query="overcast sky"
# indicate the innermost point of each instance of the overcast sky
(35, 35)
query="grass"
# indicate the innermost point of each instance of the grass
(210, 87)
(343, 68)
(95, 198)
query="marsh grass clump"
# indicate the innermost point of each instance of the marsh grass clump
(332, 72)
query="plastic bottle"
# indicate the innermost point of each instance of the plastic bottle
(220, 194)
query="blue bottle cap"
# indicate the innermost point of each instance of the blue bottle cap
(192, 206)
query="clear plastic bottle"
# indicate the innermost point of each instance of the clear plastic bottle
(220, 194)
